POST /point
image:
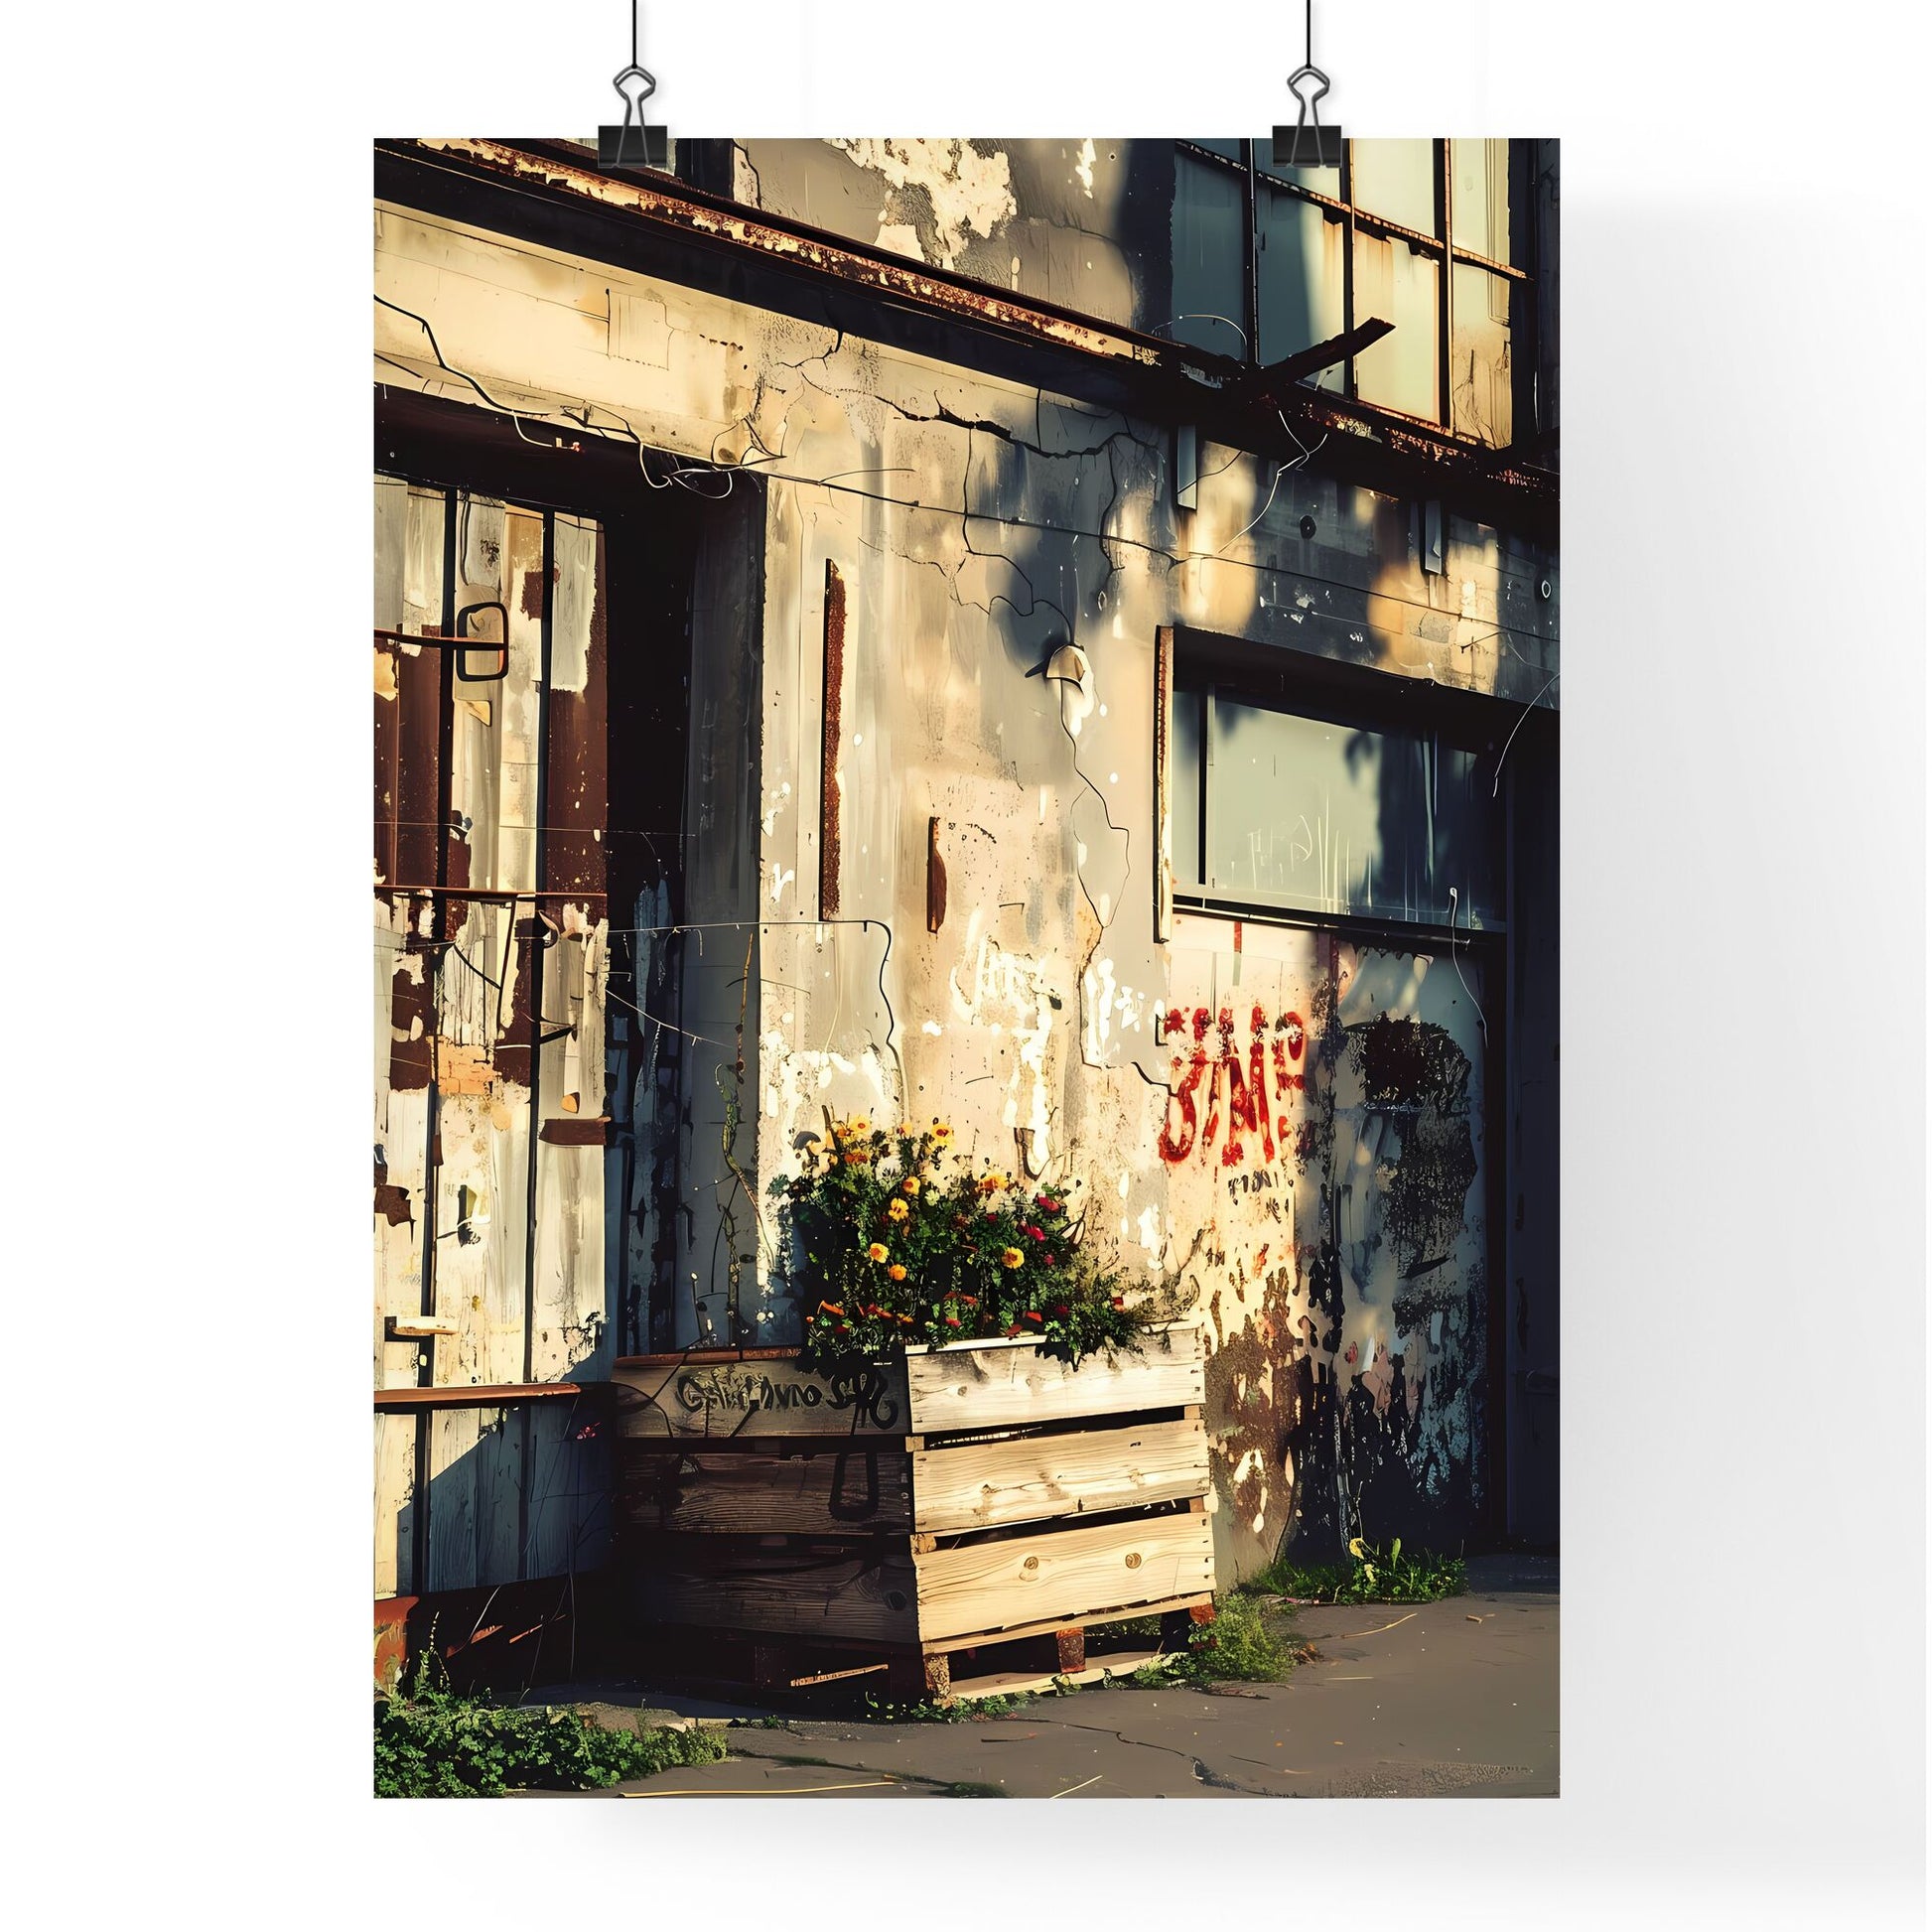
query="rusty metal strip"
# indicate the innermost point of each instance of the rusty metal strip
(1162, 808)
(483, 1394)
(795, 244)
(828, 764)
(935, 879)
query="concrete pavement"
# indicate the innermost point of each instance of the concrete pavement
(1452, 1699)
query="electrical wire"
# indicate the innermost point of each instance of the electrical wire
(685, 470)
(1473, 1001)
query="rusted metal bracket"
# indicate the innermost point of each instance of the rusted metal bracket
(1269, 385)
(460, 643)
(412, 1327)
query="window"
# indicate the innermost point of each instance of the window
(1430, 236)
(1317, 810)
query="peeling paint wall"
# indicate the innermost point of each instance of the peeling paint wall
(1084, 224)
(1342, 1259)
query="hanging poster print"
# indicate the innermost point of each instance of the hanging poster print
(965, 861)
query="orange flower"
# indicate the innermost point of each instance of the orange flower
(897, 1271)
(830, 1308)
(878, 1251)
(909, 1186)
(1012, 1258)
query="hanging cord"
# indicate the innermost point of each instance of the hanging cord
(1515, 728)
(634, 98)
(1473, 1001)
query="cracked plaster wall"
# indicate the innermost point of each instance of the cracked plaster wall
(1029, 1018)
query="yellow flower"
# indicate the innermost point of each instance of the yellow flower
(992, 1183)
(940, 1131)
(857, 1124)
(909, 1186)
(897, 1271)
(897, 1211)
(878, 1251)
(1012, 1258)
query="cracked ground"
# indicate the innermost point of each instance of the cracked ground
(1452, 1699)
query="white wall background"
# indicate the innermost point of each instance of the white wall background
(1744, 1121)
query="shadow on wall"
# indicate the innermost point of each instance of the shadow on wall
(472, 1533)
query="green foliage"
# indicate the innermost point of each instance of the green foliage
(1240, 1646)
(429, 1743)
(960, 1710)
(900, 1241)
(1368, 1575)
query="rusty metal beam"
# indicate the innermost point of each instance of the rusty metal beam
(1269, 385)
(484, 1395)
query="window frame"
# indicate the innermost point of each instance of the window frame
(1439, 248)
(1331, 692)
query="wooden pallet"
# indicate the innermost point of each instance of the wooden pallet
(947, 1499)
(995, 1662)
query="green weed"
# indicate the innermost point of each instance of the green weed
(1368, 1573)
(432, 1743)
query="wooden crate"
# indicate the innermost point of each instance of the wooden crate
(947, 1499)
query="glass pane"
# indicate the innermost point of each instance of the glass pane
(1319, 181)
(1479, 370)
(1395, 180)
(1183, 787)
(1335, 819)
(1301, 277)
(1232, 149)
(1479, 197)
(1396, 283)
(1209, 280)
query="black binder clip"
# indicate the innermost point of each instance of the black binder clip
(633, 142)
(1308, 144)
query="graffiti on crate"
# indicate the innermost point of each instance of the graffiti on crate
(861, 1389)
(1210, 1068)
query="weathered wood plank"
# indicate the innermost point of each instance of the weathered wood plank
(988, 1485)
(451, 1499)
(801, 1587)
(1005, 1386)
(842, 1490)
(766, 1396)
(1063, 1575)
(395, 1470)
(499, 1459)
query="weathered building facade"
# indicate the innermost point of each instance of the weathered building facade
(982, 629)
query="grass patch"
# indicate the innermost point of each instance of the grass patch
(1367, 1573)
(431, 1744)
(1241, 1646)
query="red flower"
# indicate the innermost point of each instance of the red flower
(1031, 1316)
(1050, 1262)
(1120, 1300)
(952, 1322)
(971, 1300)
(1063, 1309)
(1038, 1234)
